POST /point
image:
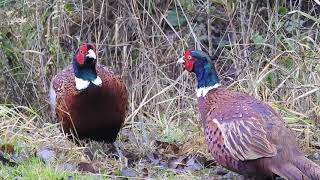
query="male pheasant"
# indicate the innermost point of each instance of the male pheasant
(244, 134)
(89, 99)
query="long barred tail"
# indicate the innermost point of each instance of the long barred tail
(306, 166)
(288, 171)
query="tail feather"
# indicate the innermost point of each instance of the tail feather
(288, 171)
(309, 168)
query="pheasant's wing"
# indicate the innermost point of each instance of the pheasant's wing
(62, 89)
(244, 130)
(112, 80)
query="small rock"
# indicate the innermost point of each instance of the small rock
(316, 156)
(19, 158)
(66, 167)
(232, 175)
(220, 171)
(46, 155)
(127, 172)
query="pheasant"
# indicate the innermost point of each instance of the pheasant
(245, 135)
(89, 99)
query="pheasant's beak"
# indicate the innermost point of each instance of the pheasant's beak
(91, 54)
(180, 61)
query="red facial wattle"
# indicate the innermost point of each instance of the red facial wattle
(189, 61)
(189, 65)
(80, 58)
(81, 54)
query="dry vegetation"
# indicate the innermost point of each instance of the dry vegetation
(270, 50)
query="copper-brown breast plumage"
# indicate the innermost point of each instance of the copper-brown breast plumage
(96, 112)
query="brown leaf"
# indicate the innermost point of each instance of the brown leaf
(177, 162)
(168, 147)
(193, 164)
(145, 172)
(154, 158)
(7, 148)
(86, 167)
(207, 163)
(184, 163)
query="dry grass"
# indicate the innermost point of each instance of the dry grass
(260, 49)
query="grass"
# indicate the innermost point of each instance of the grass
(32, 169)
(260, 48)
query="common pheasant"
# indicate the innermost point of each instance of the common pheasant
(89, 99)
(244, 134)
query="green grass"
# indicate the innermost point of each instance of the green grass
(31, 169)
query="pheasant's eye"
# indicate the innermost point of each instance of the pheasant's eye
(189, 57)
(81, 51)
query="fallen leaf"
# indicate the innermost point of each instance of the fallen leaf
(167, 147)
(7, 148)
(154, 158)
(145, 172)
(177, 162)
(193, 164)
(207, 163)
(86, 167)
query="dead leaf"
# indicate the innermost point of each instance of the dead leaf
(154, 158)
(145, 172)
(207, 163)
(193, 164)
(86, 167)
(168, 155)
(167, 147)
(177, 162)
(7, 148)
